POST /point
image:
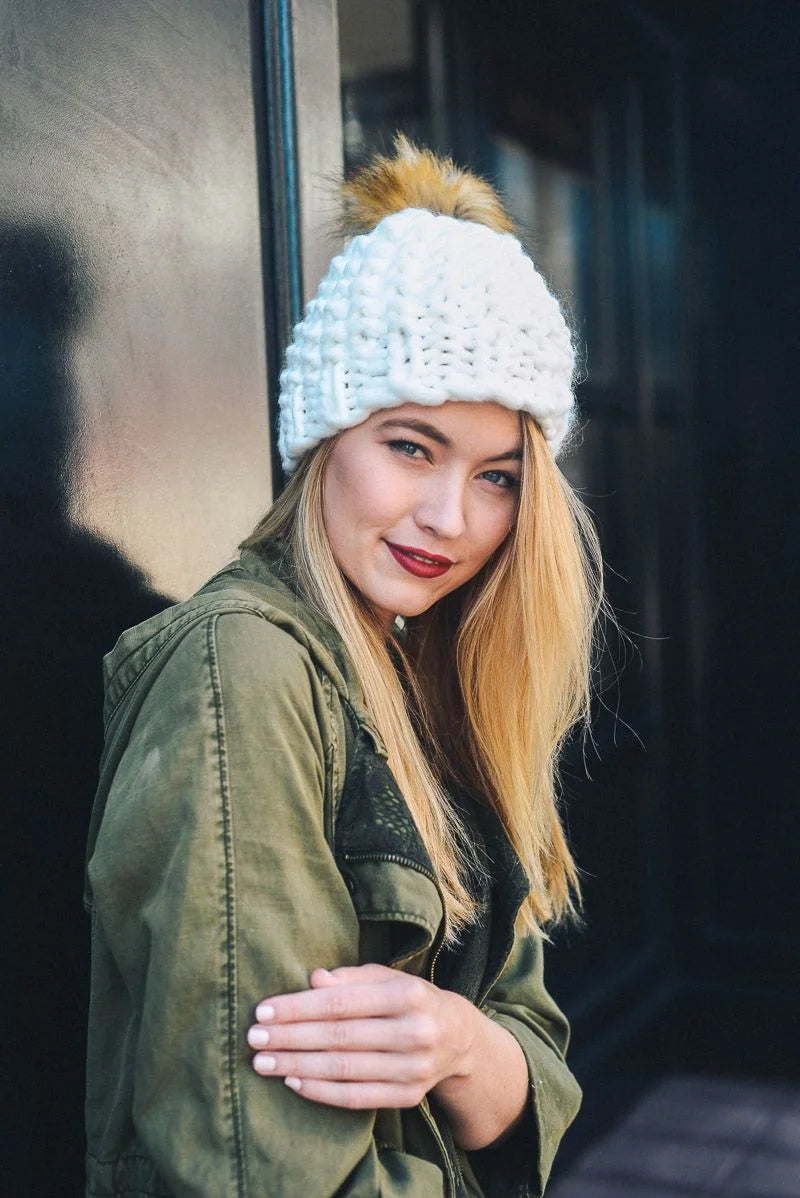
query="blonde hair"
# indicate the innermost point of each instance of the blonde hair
(497, 673)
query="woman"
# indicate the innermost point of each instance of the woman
(325, 843)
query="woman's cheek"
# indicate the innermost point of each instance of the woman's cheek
(377, 490)
(497, 521)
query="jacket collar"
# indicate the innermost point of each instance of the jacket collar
(272, 565)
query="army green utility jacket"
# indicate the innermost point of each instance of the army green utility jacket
(247, 830)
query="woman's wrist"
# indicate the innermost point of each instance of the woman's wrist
(486, 1094)
(467, 1023)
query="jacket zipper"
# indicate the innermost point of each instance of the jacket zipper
(450, 1164)
(396, 859)
(437, 951)
(454, 1166)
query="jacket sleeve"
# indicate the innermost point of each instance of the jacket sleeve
(214, 886)
(520, 1165)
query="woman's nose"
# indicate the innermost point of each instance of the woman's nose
(441, 509)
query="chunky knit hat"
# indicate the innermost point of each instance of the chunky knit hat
(432, 299)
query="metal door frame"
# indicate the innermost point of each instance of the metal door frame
(301, 156)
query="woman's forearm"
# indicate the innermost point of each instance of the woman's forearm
(486, 1098)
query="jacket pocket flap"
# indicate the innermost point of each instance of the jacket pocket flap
(399, 894)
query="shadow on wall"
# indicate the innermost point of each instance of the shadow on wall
(66, 596)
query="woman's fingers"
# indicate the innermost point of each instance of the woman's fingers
(359, 1067)
(355, 975)
(362, 1037)
(345, 1001)
(356, 1096)
(379, 1035)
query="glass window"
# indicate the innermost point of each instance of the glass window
(562, 214)
(382, 81)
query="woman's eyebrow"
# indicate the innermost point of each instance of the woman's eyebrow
(514, 455)
(435, 434)
(419, 426)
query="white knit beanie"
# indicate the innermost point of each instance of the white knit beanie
(422, 309)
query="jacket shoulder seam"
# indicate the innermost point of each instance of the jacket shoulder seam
(207, 613)
(229, 978)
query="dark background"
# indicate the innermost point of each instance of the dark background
(672, 129)
(138, 291)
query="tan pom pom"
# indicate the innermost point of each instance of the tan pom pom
(416, 178)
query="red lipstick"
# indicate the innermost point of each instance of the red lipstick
(418, 562)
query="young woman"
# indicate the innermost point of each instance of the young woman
(325, 844)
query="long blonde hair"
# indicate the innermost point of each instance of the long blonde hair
(497, 673)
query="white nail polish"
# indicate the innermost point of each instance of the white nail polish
(265, 1064)
(292, 1082)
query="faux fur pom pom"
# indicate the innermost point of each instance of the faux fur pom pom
(416, 178)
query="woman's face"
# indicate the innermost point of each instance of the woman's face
(417, 499)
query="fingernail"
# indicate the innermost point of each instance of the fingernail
(258, 1037)
(265, 1011)
(292, 1082)
(263, 1063)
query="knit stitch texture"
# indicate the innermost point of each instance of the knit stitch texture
(423, 309)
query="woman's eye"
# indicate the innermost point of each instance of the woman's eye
(409, 448)
(502, 479)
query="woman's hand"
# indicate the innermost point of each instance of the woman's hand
(365, 1036)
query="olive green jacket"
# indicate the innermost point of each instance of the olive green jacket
(247, 830)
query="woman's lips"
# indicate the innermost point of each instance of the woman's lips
(417, 562)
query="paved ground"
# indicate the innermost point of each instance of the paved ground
(696, 1136)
